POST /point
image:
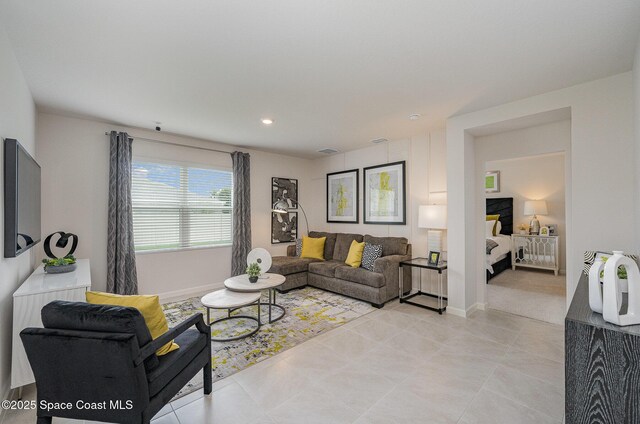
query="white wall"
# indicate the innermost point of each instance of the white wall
(636, 94)
(531, 168)
(17, 120)
(601, 140)
(75, 154)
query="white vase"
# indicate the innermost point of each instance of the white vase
(612, 293)
(595, 288)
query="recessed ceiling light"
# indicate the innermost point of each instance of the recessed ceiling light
(415, 116)
(379, 140)
(267, 121)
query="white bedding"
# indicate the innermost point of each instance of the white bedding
(498, 253)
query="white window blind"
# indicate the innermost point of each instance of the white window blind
(179, 207)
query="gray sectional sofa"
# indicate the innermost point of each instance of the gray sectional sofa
(376, 287)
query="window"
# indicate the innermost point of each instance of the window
(178, 207)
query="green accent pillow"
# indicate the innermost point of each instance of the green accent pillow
(495, 225)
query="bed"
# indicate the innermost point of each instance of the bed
(500, 257)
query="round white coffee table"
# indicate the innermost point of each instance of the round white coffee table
(267, 281)
(230, 300)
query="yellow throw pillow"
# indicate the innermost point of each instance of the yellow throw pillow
(313, 247)
(495, 218)
(354, 258)
(149, 307)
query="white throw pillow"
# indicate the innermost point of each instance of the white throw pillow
(498, 228)
(489, 228)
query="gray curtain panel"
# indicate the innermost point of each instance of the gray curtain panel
(122, 277)
(241, 244)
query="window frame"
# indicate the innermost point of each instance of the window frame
(184, 165)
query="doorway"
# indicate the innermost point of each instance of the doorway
(525, 234)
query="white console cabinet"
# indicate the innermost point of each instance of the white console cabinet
(38, 290)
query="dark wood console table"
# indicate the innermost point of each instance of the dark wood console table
(602, 366)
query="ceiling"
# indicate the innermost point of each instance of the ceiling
(331, 73)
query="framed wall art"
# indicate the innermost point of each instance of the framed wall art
(342, 196)
(492, 182)
(284, 227)
(285, 189)
(384, 196)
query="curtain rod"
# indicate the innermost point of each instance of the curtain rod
(175, 144)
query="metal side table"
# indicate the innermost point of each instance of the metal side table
(436, 301)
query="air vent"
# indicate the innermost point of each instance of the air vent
(379, 140)
(328, 151)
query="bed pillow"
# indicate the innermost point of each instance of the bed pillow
(489, 228)
(495, 218)
(498, 228)
(490, 246)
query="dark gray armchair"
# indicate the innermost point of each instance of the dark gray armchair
(98, 362)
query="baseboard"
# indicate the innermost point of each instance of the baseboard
(465, 313)
(189, 292)
(455, 311)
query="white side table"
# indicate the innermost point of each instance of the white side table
(230, 300)
(267, 281)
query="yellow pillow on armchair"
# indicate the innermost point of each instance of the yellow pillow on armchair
(149, 307)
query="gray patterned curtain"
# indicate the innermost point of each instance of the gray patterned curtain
(241, 213)
(122, 277)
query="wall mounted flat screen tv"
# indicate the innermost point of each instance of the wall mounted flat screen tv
(21, 199)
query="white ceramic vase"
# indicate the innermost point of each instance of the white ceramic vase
(612, 291)
(595, 288)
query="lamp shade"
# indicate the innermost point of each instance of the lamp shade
(432, 216)
(535, 207)
(280, 206)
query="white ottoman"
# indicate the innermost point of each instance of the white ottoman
(230, 300)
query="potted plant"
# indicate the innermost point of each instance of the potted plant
(253, 271)
(59, 265)
(524, 229)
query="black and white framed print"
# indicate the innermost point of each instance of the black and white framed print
(284, 227)
(384, 196)
(342, 196)
(285, 189)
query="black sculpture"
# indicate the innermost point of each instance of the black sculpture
(61, 243)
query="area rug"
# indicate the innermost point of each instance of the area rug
(309, 312)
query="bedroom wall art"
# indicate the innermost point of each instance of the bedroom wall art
(492, 182)
(342, 196)
(384, 196)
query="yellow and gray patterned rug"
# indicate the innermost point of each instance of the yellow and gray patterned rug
(309, 312)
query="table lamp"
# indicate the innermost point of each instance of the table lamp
(535, 207)
(434, 218)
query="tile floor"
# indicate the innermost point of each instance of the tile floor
(400, 364)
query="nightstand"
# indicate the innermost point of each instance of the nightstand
(535, 251)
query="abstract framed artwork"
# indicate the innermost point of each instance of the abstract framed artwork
(342, 196)
(284, 227)
(285, 189)
(384, 195)
(492, 182)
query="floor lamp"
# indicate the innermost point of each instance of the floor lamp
(282, 207)
(433, 218)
